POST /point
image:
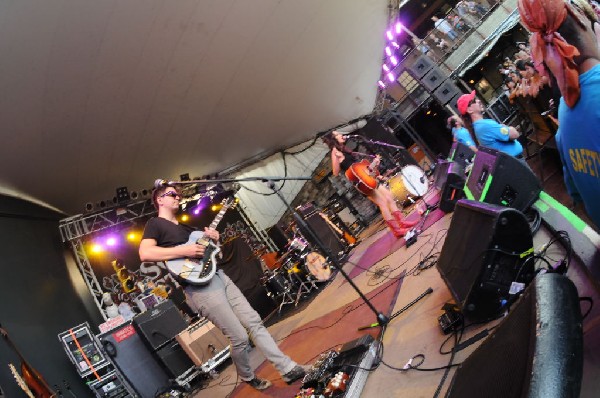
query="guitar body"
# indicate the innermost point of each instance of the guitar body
(199, 271)
(196, 271)
(34, 381)
(361, 176)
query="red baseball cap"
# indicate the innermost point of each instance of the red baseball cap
(463, 102)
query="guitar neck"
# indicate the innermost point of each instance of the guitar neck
(218, 218)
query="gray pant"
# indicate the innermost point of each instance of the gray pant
(222, 303)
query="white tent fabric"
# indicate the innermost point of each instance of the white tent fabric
(262, 206)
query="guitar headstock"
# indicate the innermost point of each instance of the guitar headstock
(229, 202)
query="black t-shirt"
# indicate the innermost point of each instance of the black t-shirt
(166, 233)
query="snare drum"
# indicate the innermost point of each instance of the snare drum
(317, 266)
(410, 181)
(277, 284)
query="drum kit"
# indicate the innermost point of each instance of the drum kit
(296, 273)
(408, 184)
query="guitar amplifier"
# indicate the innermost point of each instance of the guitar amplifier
(205, 344)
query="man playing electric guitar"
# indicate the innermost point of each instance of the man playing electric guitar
(219, 300)
(364, 177)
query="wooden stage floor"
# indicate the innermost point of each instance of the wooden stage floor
(415, 331)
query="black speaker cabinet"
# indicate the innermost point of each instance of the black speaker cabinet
(453, 188)
(535, 352)
(440, 172)
(501, 179)
(325, 234)
(485, 257)
(420, 66)
(174, 359)
(446, 92)
(160, 324)
(130, 354)
(434, 78)
(462, 154)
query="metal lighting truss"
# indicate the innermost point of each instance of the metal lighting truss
(74, 229)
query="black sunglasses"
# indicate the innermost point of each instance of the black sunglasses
(173, 194)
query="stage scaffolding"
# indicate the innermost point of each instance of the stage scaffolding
(74, 229)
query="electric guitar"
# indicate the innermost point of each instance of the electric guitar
(29, 380)
(199, 271)
(363, 175)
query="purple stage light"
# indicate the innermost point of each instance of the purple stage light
(395, 44)
(381, 84)
(111, 241)
(391, 77)
(394, 60)
(389, 35)
(388, 51)
(386, 68)
(398, 27)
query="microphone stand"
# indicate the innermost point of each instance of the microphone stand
(382, 319)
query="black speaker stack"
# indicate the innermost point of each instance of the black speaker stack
(535, 352)
(130, 354)
(501, 179)
(449, 178)
(461, 154)
(485, 260)
(159, 326)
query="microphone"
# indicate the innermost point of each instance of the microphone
(160, 183)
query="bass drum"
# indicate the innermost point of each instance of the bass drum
(411, 181)
(277, 285)
(317, 266)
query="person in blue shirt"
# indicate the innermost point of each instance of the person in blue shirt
(460, 133)
(565, 42)
(488, 132)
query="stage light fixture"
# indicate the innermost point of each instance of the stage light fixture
(185, 218)
(133, 236)
(386, 68)
(398, 27)
(389, 35)
(391, 77)
(381, 84)
(184, 177)
(96, 248)
(89, 206)
(123, 194)
(394, 60)
(388, 51)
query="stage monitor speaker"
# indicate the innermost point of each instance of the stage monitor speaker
(160, 324)
(130, 354)
(174, 359)
(485, 257)
(446, 92)
(535, 352)
(325, 234)
(420, 66)
(434, 78)
(501, 179)
(440, 172)
(462, 154)
(453, 188)
(202, 341)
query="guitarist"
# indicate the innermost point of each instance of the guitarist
(343, 159)
(220, 300)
